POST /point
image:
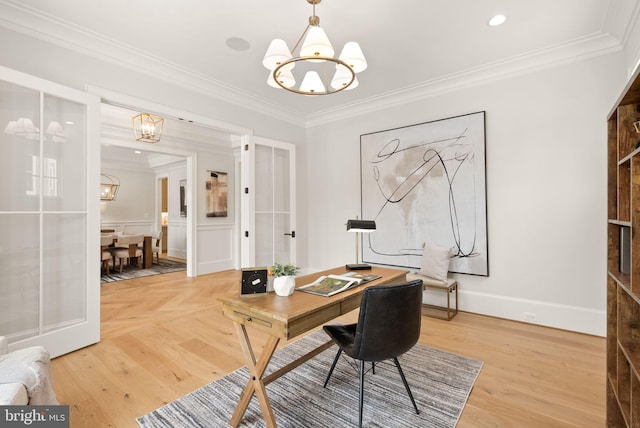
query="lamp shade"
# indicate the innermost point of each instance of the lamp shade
(11, 127)
(277, 53)
(24, 127)
(285, 77)
(312, 83)
(365, 226)
(353, 56)
(342, 78)
(55, 129)
(316, 44)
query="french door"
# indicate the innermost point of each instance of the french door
(268, 202)
(49, 208)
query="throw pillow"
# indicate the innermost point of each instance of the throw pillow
(435, 261)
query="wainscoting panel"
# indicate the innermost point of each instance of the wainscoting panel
(215, 248)
(129, 227)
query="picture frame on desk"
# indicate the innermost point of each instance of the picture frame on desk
(254, 280)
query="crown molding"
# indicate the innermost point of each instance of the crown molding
(573, 51)
(43, 26)
(35, 23)
(170, 145)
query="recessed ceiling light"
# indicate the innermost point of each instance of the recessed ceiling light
(137, 152)
(497, 20)
(238, 44)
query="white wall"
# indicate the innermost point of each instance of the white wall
(216, 240)
(546, 189)
(133, 210)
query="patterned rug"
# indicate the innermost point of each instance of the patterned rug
(130, 272)
(440, 382)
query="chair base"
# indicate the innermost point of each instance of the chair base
(361, 372)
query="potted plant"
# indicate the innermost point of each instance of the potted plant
(284, 282)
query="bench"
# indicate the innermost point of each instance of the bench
(450, 287)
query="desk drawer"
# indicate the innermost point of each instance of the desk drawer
(350, 303)
(260, 322)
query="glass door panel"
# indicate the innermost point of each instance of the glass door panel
(63, 167)
(264, 239)
(282, 238)
(19, 143)
(264, 179)
(19, 275)
(64, 270)
(281, 178)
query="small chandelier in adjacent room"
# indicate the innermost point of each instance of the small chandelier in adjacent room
(147, 127)
(109, 185)
(317, 57)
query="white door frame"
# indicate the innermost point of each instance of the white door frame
(248, 209)
(120, 99)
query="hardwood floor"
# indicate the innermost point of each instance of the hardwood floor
(164, 336)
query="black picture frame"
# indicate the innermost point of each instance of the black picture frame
(254, 280)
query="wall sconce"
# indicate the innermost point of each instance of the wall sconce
(109, 186)
(360, 226)
(147, 127)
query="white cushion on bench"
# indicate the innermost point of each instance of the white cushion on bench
(430, 281)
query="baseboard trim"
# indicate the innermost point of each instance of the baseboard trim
(564, 317)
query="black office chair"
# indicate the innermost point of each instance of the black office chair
(388, 326)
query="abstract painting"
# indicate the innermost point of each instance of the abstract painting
(216, 187)
(183, 198)
(426, 183)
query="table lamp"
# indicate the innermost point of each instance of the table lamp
(364, 226)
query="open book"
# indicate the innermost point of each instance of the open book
(328, 285)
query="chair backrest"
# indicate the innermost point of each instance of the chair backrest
(389, 321)
(157, 237)
(125, 240)
(106, 240)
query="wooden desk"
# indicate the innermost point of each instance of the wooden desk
(286, 318)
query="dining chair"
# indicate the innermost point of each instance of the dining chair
(388, 326)
(105, 255)
(128, 247)
(156, 245)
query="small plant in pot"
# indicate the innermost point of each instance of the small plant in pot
(284, 282)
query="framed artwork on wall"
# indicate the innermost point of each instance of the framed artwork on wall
(216, 188)
(183, 198)
(426, 183)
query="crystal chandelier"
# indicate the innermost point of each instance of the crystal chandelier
(318, 56)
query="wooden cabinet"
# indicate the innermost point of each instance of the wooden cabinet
(623, 252)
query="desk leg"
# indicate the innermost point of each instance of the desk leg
(255, 382)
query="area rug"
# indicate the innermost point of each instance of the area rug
(130, 272)
(440, 381)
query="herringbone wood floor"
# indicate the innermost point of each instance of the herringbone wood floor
(164, 336)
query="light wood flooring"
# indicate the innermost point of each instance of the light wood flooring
(164, 336)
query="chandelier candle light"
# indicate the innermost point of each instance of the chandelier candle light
(147, 127)
(109, 187)
(317, 53)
